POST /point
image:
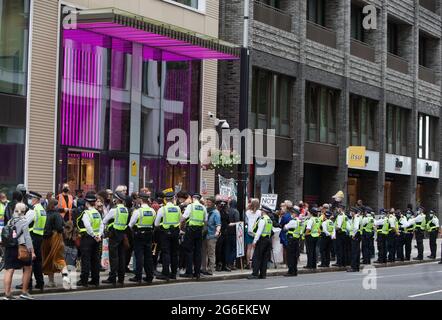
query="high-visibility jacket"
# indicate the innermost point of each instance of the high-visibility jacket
(94, 218)
(196, 216)
(267, 232)
(421, 225)
(316, 227)
(368, 228)
(146, 218)
(431, 226)
(171, 216)
(344, 222)
(2, 214)
(385, 227)
(62, 204)
(121, 218)
(39, 220)
(296, 233)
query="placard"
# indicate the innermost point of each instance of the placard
(269, 200)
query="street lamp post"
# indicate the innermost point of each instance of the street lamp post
(244, 106)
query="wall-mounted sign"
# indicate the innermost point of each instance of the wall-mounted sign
(371, 161)
(397, 164)
(427, 168)
(356, 157)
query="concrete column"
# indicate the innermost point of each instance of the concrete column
(135, 117)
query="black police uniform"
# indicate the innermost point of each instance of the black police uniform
(262, 253)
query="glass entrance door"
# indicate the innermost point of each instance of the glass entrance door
(353, 191)
(82, 170)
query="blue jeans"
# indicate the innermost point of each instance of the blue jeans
(230, 249)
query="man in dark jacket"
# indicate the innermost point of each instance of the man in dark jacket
(230, 247)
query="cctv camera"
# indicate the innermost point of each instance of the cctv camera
(211, 115)
(225, 125)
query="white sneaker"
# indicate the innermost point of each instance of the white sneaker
(66, 282)
(26, 296)
(11, 297)
(51, 285)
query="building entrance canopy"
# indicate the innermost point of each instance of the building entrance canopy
(166, 42)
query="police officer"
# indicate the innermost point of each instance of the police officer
(392, 235)
(340, 229)
(91, 228)
(382, 231)
(168, 219)
(327, 236)
(408, 233)
(367, 224)
(116, 221)
(433, 232)
(420, 226)
(262, 244)
(294, 232)
(312, 233)
(400, 238)
(142, 223)
(36, 220)
(355, 235)
(193, 221)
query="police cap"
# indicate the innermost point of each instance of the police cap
(33, 194)
(143, 196)
(120, 196)
(266, 209)
(90, 197)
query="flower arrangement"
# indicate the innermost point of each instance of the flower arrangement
(221, 159)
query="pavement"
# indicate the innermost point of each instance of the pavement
(273, 274)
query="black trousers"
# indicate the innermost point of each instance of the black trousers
(292, 255)
(356, 252)
(261, 256)
(391, 246)
(399, 243)
(419, 234)
(169, 251)
(326, 245)
(130, 250)
(311, 251)
(433, 244)
(90, 259)
(37, 262)
(340, 248)
(367, 241)
(193, 242)
(220, 251)
(117, 256)
(382, 248)
(408, 239)
(143, 254)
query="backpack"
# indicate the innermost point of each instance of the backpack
(9, 234)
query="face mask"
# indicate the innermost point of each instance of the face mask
(65, 190)
(29, 202)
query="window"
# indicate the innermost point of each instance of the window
(422, 51)
(320, 113)
(12, 147)
(428, 128)
(191, 3)
(362, 122)
(272, 3)
(271, 98)
(397, 130)
(392, 38)
(14, 31)
(357, 31)
(316, 11)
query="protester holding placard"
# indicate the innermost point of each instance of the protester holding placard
(252, 214)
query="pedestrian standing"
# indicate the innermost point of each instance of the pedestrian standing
(400, 238)
(91, 228)
(392, 235)
(382, 231)
(252, 214)
(168, 219)
(52, 246)
(294, 233)
(116, 221)
(367, 224)
(420, 226)
(209, 242)
(433, 232)
(340, 229)
(221, 243)
(262, 244)
(142, 223)
(355, 235)
(326, 241)
(312, 233)
(12, 262)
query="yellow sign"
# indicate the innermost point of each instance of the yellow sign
(356, 157)
(134, 168)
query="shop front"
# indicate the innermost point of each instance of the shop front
(126, 83)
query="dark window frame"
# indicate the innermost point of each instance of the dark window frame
(397, 117)
(317, 14)
(393, 38)
(367, 107)
(357, 17)
(427, 149)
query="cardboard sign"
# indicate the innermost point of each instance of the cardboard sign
(240, 239)
(269, 200)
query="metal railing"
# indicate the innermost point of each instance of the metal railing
(427, 74)
(397, 63)
(362, 50)
(321, 34)
(272, 16)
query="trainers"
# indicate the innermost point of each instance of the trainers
(51, 284)
(66, 281)
(10, 297)
(26, 296)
